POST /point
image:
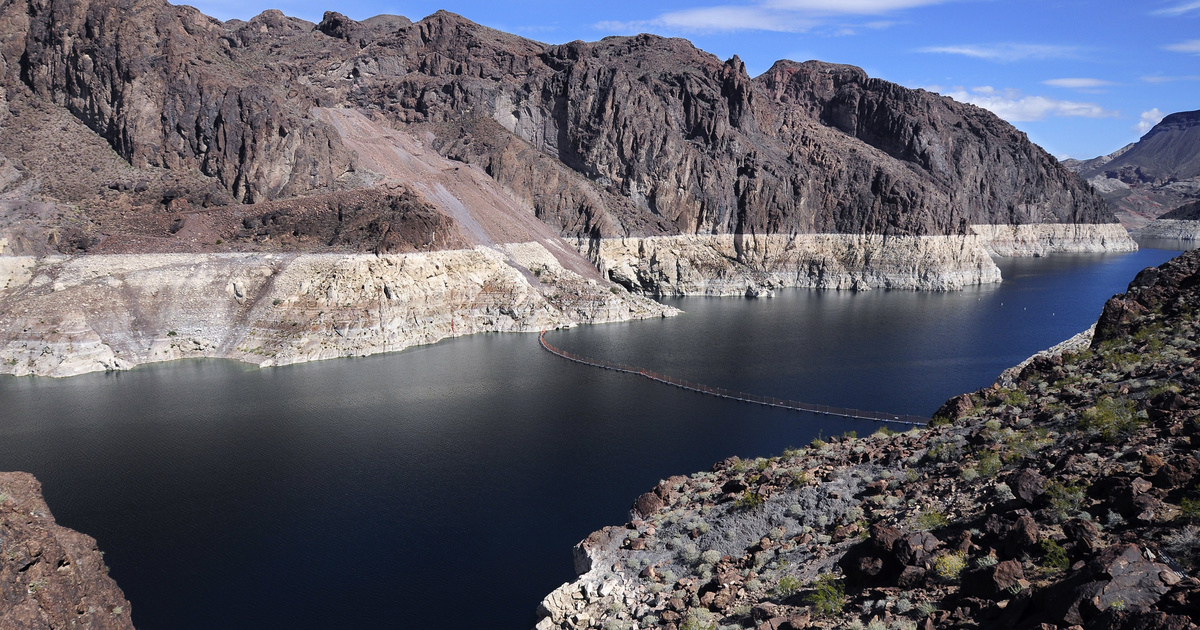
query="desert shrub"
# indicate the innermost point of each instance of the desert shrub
(1189, 508)
(989, 464)
(690, 554)
(788, 585)
(944, 452)
(986, 561)
(698, 619)
(712, 556)
(949, 566)
(1056, 556)
(828, 596)
(1184, 546)
(748, 501)
(1064, 500)
(1111, 419)
(1022, 444)
(931, 519)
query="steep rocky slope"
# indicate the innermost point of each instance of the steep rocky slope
(51, 576)
(1158, 173)
(1067, 500)
(626, 137)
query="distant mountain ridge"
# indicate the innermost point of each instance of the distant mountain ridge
(1170, 150)
(1152, 176)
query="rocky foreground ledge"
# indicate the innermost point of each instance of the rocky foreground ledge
(1068, 500)
(51, 576)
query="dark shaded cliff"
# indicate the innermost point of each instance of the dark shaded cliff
(625, 136)
(1188, 212)
(51, 576)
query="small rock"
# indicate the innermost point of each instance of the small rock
(647, 504)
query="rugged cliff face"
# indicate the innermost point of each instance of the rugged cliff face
(644, 135)
(51, 576)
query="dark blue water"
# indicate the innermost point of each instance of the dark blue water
(445, 485)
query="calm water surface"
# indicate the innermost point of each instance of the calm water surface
(444, 486)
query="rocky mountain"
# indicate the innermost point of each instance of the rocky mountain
(632, 136)
(1188, 212)
(51, 576)
(1065, 498)
(632, 164)
(1158, 173)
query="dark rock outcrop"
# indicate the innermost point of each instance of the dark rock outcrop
(1186, 212)
(51, 576)
(625, 136)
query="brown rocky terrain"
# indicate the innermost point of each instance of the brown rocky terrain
(1068, 499)
(1153, 176)
(50, 576)
(630, 136)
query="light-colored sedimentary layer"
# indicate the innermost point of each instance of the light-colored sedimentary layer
(755, 265)
(1047, 238)
(1171, 229)
(751, 265)
(61, 316)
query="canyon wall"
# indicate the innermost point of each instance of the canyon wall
(746, 264)
(61, 316)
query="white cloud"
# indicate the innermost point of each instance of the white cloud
(1079, 83)
(1006, 51)
(735, 18)
(1178, 9)
(1014, 106)
(842, 7)
(787, 16)
(1191, 46)
(1158, 78)
(1149, 119)
(715, 19)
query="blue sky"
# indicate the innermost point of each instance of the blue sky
(1082, 78)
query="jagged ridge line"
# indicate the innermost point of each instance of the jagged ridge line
(779, 403)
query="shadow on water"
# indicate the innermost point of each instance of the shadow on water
(445, 485)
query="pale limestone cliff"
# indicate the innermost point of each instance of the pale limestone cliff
(1046, 238)
(61, 316)
(749, 265)
(1171, 229)
(754, 265)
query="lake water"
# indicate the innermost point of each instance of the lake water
(443, 487)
